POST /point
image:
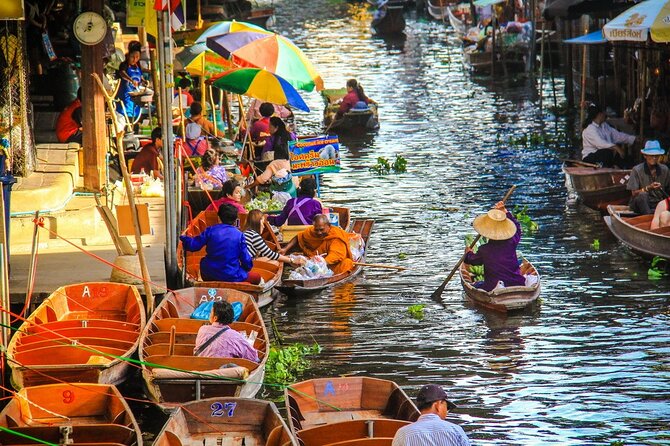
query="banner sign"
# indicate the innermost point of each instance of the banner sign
(135, 13)
(315, 155)
(11, 10)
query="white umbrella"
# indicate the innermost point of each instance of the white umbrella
(637, 23)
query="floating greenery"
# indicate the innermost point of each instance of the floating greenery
(595, 245)
(402, 256)
(658, 268)
(286, 363)
(384, 166)
(531, 140)
(416, 311)
(527, 223)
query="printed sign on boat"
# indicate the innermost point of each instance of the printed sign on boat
(315, 155)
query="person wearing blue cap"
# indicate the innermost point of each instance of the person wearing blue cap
(649, 181)
(431, 428)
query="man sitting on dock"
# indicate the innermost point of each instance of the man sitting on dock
(326, 240)
(432, 428)
(649, 181)
(602, 143)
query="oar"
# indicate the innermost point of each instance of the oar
(437, 295)
(377, 265)
(580, 163)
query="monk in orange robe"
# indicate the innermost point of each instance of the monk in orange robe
(326, 240)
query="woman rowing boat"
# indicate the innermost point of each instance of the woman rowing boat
(498, 255)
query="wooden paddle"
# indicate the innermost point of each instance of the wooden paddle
(437, 295)
(378, 265)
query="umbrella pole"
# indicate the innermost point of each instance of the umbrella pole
(582, 105)
(643, 82)
(211, 101)
(223, 99)
(541, 63)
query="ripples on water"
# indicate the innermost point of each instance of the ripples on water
(581, 367)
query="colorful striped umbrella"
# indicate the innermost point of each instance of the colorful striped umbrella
(199, 60)
(260, 84)
(218, 28)
(271, 52)
(637, 23)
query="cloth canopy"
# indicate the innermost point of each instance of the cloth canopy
(636, 24)
(484, 3)
(593, 38)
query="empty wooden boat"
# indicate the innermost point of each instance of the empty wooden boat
(69, 414)
(172, 373)
(78, 334)
(633, 231)
(270, 270)
(347, 411)
(503, 299)
(598, 188)
(306, 286)
(226, 421)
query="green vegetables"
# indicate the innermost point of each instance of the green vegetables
(596, 244)
(477, 272)
(265, 203)
(286, 363)
(416, 311)
(525, 221)
(658, 268)
(384, 166)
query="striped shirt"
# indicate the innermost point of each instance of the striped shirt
(257, 247)
(431, 430)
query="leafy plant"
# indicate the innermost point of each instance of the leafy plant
(416, 311)
(658, 268)
(399, 165)
(595, 245)
(286, 363)
(525, 221)
(384, 166)
(265, 203)
(402, 256)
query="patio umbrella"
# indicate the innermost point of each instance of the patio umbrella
(200, 61)
(637, 23)
(260, 84)
(218, 28)
(271, 52)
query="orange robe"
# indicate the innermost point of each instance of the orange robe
(335, 244)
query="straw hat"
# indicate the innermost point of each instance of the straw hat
(494, 225)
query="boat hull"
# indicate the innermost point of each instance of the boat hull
(309, 286)
(634, 232)
(393, 21)
(78, 334)
(598, 188)
(506, 299)
(459, 25)
(481, 63)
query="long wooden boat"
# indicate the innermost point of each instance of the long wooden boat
(633, 231)
(289, 231)
(393, 20)
(504, 299)
(458, 21)
(270, 270)
(307, 286)
(347, 411)
(81, 414)
(353, 120)
(226, 421)
(172, 374)
(438, 8)
(78, 334)
(598, 188)
(480, 62)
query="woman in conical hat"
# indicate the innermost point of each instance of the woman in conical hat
(498, 255)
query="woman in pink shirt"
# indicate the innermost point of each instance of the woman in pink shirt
(232, 194)
(354, 95)
(218, 340)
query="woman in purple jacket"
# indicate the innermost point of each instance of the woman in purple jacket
(302, 209)
(498, 255)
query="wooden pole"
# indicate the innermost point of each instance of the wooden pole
(493, 42)
(155, 79)
(582, 105)
(643, 89)
(131, 200)
(542, 64)
(4, 275)
(223, 99)
(211, 101)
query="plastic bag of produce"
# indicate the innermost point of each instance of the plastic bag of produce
(357, 246)
(314, 268)
(152, 188)
(281, 197)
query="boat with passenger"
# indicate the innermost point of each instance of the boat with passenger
(361, 117)
(635, 231)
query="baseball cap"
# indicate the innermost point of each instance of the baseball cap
(431, 393)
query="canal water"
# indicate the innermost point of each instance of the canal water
(589, 365)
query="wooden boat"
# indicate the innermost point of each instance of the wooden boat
(270, 270)
(347, 411)
(458, 15)
(306, 286)
(226, 421)
(633, 231)
(289, 231)
(438, 9)
(391, 20)
(598, 188)
(353, 120)
(480, 62)
(504, 299)
(173, 375)
(68, 414)
(78, 334)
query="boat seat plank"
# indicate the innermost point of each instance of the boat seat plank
(198, 363)
(79, 323)
(82, 341)
(349, 430)
(74, 333)
(64, 354)
(187, 349)
(182, 325)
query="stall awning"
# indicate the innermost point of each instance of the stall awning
(573, 9)
(484, 3)
(593, 38)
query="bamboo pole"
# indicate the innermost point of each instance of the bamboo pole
(156, 81)
(582, 105)
(223, 101)
(542, 64)
(211, 101)
(131, 197)
(643, 83)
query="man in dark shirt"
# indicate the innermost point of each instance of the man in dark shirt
(649, 181)
(148, 158)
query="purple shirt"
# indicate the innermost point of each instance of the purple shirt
(270, 143)
(230, 344)
(499, 260)
(297, 211)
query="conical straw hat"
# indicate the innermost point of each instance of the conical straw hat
(494, 225)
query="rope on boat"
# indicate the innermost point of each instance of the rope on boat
(27, 400)
(21, 434)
